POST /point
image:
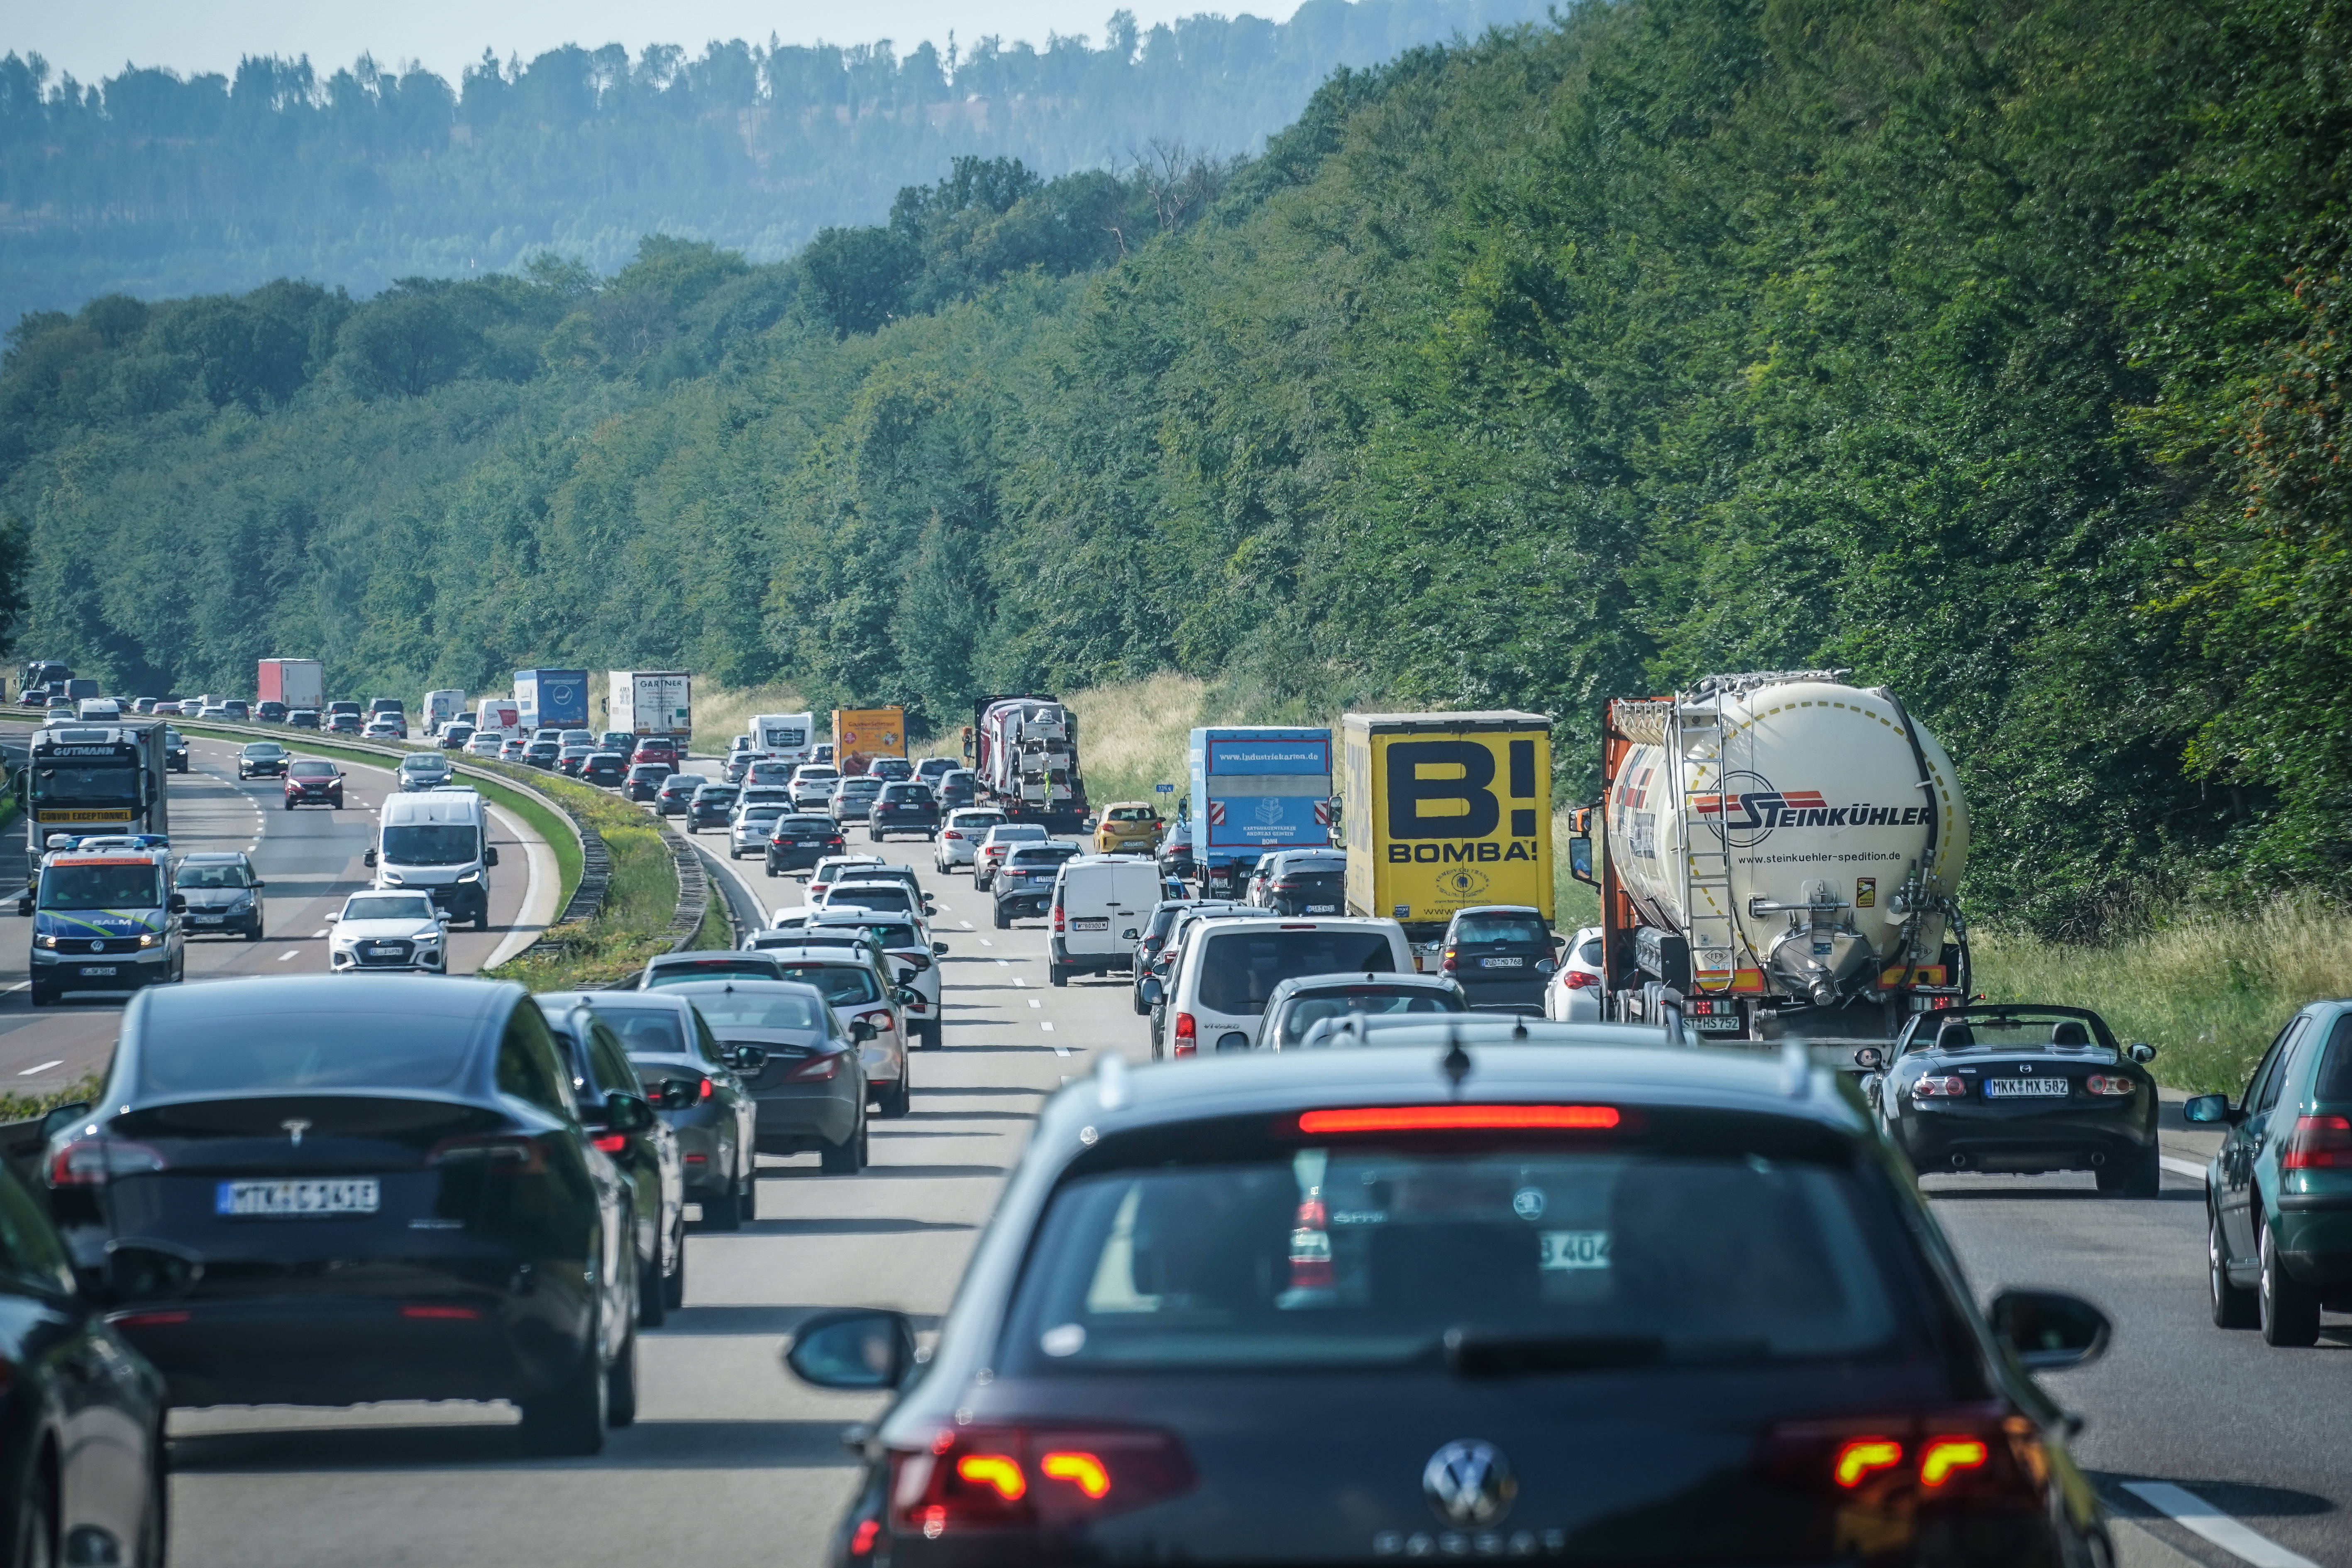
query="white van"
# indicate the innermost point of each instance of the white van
(441, 708)
(783, 737)
(1100, 905)
(500, 716)
(1222, 982)
(438, 842)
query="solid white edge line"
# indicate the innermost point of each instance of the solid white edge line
(43, 1067)
(2181, 1167)
(538, 893)
(2194, 1514)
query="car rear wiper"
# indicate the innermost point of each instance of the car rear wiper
(1482, 1352)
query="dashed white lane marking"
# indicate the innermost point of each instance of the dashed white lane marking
(969, 926)
(321, 932)
(1034, 1003)
(1016, 979)
(289, 953)
(1003, 963)
(43, 1067)
(2194, 1514)
(985, 942)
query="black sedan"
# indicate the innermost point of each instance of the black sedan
(800, 840)
(261, 759)
(647, 1157)
(801, 1067)
(903, 808)
(333, 1190)
(670, 799)
(2019, 1089)
(713, 805)
(81, 1431)
(1619, 1304)
(605, 768)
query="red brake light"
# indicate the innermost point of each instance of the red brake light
(1864, 1457)
(706, 1090)
(1188, 1035)
(861, 1540)
(979, 1478)
(1977, 1456)
(816, 1068)
(2318, 1143)
(148, 1319)
(1579, 979)
(92, 1162)
(611, 1142)
(444, 1314)
(1946, 1457)
(1462, 1118)
(1057, 920)
(1445, 961)
(2103, 1083)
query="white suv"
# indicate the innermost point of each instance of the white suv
(812, 787)
(960, 835)
(1224, 975)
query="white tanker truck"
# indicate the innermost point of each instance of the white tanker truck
(1783, 853)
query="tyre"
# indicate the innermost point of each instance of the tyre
(653, 1302)
(568, 1420)
(1142, 1008)
(894, 1100)
(934, 1033)
(1058, 974)
(2139, 1175)
(621, 1387)
(771, 868)
(733, 853)
(255, 934)
(722, 1211)
(2290, 1308)
(38, 996)
(847, 1157)
(482, 920)
(750, 1199)
(673, 1289)
(1004, 920)
(37, 1534)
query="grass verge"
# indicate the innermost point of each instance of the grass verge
(2209, 990)
(640, 901)
(24, 1107)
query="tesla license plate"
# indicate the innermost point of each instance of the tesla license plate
(296, 1200)
(1322, 909)
(2025, 1088)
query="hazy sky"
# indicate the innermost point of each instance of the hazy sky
(92, 38)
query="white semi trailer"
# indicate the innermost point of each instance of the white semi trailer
(1784, 852)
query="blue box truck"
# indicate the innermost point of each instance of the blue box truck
(1256, 789)
(551, 697)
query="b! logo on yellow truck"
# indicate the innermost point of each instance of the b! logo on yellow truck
(1443, 811)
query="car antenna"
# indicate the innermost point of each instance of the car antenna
(1455, 1063)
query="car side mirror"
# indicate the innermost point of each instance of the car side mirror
(368, 858)
(2210, 1109)
(1154, 993)
(257, 882)
(2142, 1052)
(861, 1031)
(939, 950)
(2048, 1330)
(1870, 1058)
(1580, 859)
(490, 855)
(62, 1117)
(627, 1112)
(331, 919)
(677, 1093)
(179, 904)
(862, 1349)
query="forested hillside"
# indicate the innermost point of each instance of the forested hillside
(149, 183)
(1993, 352)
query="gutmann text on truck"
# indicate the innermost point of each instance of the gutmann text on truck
(85, 779)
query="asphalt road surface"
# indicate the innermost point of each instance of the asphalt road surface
(311, 859)
(733, 1463)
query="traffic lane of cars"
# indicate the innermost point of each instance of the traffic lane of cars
(2259, 1433)
(731, 1461)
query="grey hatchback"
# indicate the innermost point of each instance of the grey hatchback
(1299, 1005)
(224, 894)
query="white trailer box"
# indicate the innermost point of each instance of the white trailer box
(651, 702)
(783, 737)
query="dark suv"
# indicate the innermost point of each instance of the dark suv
(1501, 954)
(1023, 885)
(800, 840)
(907, 807)
(713, 805)
(1303, 882)
(607, 768)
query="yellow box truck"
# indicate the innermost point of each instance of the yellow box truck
(862, 734)
(1443, 811)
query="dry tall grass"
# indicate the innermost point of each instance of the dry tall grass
(1138, 734)
(721, 713)
(2209, 991)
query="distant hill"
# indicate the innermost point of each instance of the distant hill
(154, 185)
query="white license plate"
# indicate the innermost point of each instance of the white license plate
(2025, 1088)
(297, 1200)
(95, 969)
(1575, 1249)
(1091, 924)
(1706, 1024)
(1502, 963)
(208, 919)
(1322, 909)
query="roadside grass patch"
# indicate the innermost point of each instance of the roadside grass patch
(721, 713)
(2209, 989)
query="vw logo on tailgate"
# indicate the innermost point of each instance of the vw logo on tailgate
(1469, 1482)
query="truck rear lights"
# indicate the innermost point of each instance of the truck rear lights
(2109, 1084)
(89, 1161)
(1462, 1118)
(2318, 1143)
(998, 1478)
(1188, 1035)
(1939, 1088)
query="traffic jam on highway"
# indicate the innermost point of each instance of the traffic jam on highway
(1350, 1208)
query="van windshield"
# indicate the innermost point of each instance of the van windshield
(131, 885)
(431, 843)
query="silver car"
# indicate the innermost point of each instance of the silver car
(871, 1011)
(747, 830)
(852, 799)
(427, 770)
(960, 835)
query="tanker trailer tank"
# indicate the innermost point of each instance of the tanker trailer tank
(1784, 850)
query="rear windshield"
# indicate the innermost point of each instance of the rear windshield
(907, 791)
(646, 1031)
(677, 781)
(292, 1051)
(1310, 1011)
(842, 985)
(870, 896)
(889, 933)
(1042, 855)
(745, 1010)
(1240, 969)
(1501, 930)
(1015, 832)
(808, 824)
(709, 969)
(1338, 1255)
(1589, 950)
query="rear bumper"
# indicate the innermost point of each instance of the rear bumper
(330, 1349)
(797, 1118)
(1089, 963)
(1522, 986)
(1967, 1138)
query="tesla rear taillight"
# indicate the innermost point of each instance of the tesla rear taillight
(507, 1156)
(1188, 1035)
(998, 1478)
(1939, 1088)
(1462, 1118)
(2318, 1143)
(93, 1162)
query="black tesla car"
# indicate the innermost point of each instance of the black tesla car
(2017, 1088)
(1522, 1301)
(331, 1190)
